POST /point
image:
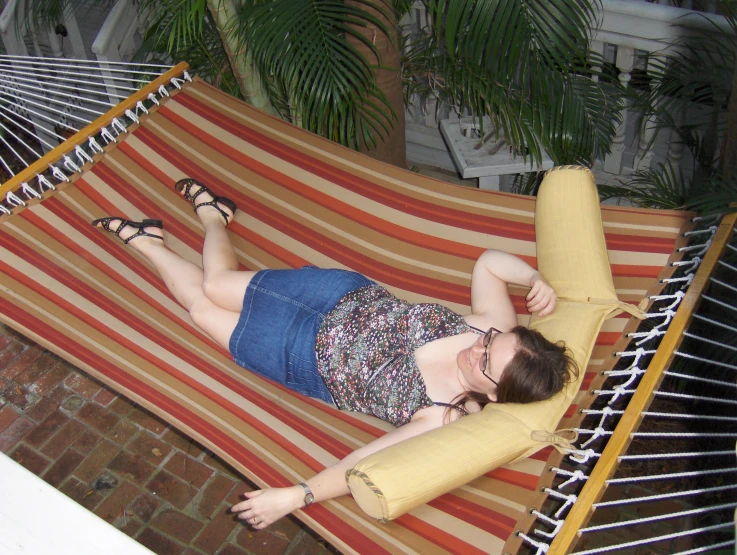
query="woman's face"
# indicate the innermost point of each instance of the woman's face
(499, 353)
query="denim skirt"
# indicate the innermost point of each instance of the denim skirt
(281, 316)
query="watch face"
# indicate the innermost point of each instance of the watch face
(309, 498)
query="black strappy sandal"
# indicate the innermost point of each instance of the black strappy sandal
(184, 185)
(127, 223)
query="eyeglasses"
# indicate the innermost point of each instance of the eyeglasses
(484, 360)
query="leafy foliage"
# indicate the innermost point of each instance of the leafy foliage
(184, 30)
(526, 64)
(315, 76)
(696, 79)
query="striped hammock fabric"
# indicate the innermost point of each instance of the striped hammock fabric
(302, 201)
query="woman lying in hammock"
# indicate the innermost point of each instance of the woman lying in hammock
(337, 336)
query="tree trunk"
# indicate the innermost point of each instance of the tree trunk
(392, 149)
(246, 73)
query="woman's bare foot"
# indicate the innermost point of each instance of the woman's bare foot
(209, 207)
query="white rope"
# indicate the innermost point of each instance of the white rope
(719, 282)
(47, 98)
(700, 379)
(21, 141)
(556, 524)
(656, 539)
(70, 165)
(58, 174)
(714, 322)
(25, 128)
(661, 496)
(575, 476)
(700, 248)
(656, 518)
(674, 415)
(542, 547)
(728, 266)
(568, 500)
(14, 72)
(29, 191)
(27, 101)
(582, 456)
(94, 145)
(5, 210)
(118, 127)
(704, 549)
(82, 156)
(13, 200)
(690, 454)
(710, 341)
(598, 432)
(68, 63)
(43, 182)
(57, 86)
(627, 372)
(695, 261)
(710, 230)
(671, 476)
(702, 359)
(720, 303)
(132, 116)
(637, 354)
(105, 134)
(24, 107)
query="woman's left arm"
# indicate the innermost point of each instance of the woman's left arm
(493, 271)
(265, 506)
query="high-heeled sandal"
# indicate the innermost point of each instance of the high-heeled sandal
(184, 185)
(128, 223)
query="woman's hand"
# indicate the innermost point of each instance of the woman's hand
(542, 297)
(265, 506)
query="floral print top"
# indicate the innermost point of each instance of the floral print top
(365, 351)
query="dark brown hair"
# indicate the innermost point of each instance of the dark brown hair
(538, 371)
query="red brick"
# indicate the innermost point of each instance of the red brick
(36, 369)
(150, 448)
(8, 415)
(5, 340)
(213, 495)
(287, 527)
(131, 467)
(61, 441)
(211, 460)
(236, 495)
(182, 442)
(14, 359)
(105, 397)
(161, 545)
(231, 549)
(51, 379)
(86, 441)
(147, 420)
(97, 417)
(144, 506)
(122, 432)
(121, 406)
(216, 532)
(50, 402)
(311, 544)
(96, 461)
(114, 504)
(46, 429)
(81, 493)
(31, 460)
(82, 385)
(165, 486)
(63, 467)
(18, 395)
(189, 470)
(261, 542)
(178, 525)
(129, 525)
(15, 432)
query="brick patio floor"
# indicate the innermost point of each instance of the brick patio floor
(124, 464)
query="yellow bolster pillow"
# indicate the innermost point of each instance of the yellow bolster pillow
(571, 254)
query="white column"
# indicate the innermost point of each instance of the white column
(624, 62)
(645, 151)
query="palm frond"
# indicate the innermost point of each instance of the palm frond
(716, 196)
(177, 24)
(324, 82)
(666, 189)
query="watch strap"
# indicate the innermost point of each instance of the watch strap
(309, 496)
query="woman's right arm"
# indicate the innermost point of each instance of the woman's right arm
(270, 504)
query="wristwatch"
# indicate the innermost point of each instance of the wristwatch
(309, 496)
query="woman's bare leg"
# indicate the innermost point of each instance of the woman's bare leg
(184, 280)
(223, 283)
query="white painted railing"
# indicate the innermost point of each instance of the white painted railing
(626, 30)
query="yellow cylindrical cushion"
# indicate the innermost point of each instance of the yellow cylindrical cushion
(572, 255)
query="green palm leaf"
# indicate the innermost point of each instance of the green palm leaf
(319, 78)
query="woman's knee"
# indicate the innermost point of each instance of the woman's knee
(202, 311)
